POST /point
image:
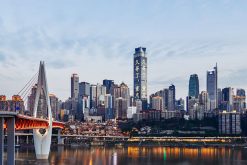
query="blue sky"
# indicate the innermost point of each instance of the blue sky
(96, 39)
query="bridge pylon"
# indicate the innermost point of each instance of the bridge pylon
(42, 138)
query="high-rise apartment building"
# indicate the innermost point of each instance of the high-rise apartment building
(140, 75)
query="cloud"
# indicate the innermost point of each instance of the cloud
(2, 57)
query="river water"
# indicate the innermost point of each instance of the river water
(135, 155)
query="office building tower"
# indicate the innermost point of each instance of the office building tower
(109, 84)
(165, 95)
(194, 86)
(109, 114)
(227, 99)
(212, 87)
(93, 96)
(140, 75)
(171, 98)
(97, 95)
(101, 92)
(84, 89)
(219, 95)
(74, 86)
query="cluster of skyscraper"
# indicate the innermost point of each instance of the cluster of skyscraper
(111, 101)
(97, 102)
(213, 99)
(108, 100)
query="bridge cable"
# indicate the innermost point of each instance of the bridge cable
(19, 93)
(29, 88)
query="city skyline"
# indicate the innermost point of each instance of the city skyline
(95, 42)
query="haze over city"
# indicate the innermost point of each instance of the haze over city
(96, 40)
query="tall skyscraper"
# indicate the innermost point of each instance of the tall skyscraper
(171, 97)
(74, 86)
(212, 87)
(219, 95)
(109, 84)
(97, 93)
(165, 95)
(93, 96)
(109, 114)
(140, 75)
(194, 86)
(120, 91)
(84, 89)
(227, 99)
(83, 101)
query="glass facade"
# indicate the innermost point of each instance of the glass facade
(140, 75)
(194, 86)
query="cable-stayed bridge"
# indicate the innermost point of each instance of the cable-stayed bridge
(40, 119)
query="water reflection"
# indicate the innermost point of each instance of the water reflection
(135, 155)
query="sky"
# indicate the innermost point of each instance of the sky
(96, 39)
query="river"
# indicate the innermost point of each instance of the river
(61, 155)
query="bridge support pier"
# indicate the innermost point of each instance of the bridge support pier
(42, 143)
(1, 140)
(11, 141)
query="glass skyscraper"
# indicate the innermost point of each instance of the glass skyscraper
(212, 87)
(109, 84)
(140, 76)
(194, 86)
